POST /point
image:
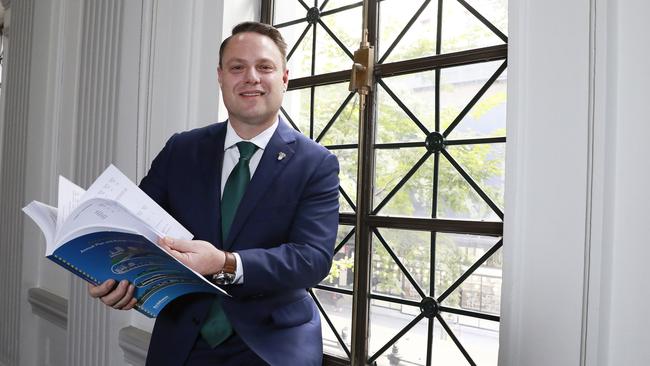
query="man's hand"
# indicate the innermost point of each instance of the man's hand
(118, 296)
(199, 255)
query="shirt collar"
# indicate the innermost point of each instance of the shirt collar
(261, 140)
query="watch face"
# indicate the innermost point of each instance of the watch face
(223, 278)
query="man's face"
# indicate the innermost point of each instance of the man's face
(253, 79)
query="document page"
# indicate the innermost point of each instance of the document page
(45, 217)
(114, 185)
(98, 213)
(69, 197)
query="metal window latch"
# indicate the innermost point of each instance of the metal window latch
(362, 68)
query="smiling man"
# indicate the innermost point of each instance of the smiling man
(262, 202)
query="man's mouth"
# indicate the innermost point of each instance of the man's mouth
(255, 93)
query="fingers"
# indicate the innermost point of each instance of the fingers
(117, 297)
(179, 245)
(102, 289)
(127, 298)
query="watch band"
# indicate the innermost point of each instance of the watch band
(226, 275)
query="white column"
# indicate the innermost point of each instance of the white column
(548, 182)
(577, 198)
(92, 337)
(15, 123)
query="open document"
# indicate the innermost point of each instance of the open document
(112, 231)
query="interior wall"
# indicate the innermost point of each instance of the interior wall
(576, 224)
(626, 334)
(162, 76)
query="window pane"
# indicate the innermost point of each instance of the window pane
(338, 308)
(479, 337)
(461, 30)
(458, 86)
(414, 197)
(485, 163)
(495, 11)
(341, 274)
(287, 10)
(417, 92)
(418, 41)
(300, 62)
(455, 253)
(334, 4)
(412, 249)
(386, 320)
(457, 199)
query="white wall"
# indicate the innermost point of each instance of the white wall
(576, 227)
(162, 71)
(627, 238)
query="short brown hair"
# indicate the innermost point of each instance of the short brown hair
(260, 28)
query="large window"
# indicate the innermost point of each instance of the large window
(417, 273)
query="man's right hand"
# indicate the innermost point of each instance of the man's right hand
(118, 296)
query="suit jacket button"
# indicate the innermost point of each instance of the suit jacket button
(195, 320)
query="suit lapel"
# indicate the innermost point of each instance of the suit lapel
(210, 152)
(277, 154)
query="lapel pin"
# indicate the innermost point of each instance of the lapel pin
(281, 155)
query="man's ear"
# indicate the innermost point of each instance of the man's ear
(219, 71)
(285, 78)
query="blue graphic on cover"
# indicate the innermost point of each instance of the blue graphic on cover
(157, 277)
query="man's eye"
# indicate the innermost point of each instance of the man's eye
(237, 68)
(266, 67)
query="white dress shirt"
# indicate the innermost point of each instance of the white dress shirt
(230, 159)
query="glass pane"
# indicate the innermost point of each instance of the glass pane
(479, 337)
(392, 166)
(485, 163)
(457, 252)
(461, 30)
(495, 11)
(418, 41)
(328, 99)
(481, 291)
(458, 85)
(291, 35)
(299, 64)
(487, 118)
(386, 320)
(342, 272)
(393, 124)
(345, 129)
(338, 308)
(412, 249)
(288, 10)
(347, 175)
(415, 198)
(457, 199)
(297, 106)
(346, 26)
(334, 4)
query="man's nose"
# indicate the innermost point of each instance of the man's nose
(251, 75)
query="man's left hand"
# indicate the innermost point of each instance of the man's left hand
(199, 255)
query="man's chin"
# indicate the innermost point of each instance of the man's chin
(256, 119)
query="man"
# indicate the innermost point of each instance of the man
(276, 242)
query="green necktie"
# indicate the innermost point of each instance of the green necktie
(216, 328)
(235, 186)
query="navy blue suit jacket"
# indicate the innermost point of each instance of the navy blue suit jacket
(284, 231)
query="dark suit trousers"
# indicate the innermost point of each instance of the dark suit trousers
(232, 352)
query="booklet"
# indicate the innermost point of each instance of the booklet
(112, 231)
